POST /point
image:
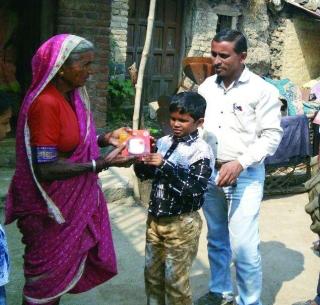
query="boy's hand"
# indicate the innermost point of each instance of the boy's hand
(153, 159)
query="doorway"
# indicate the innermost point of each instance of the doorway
(24, 25)
(162, 70)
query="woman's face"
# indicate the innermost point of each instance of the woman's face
(5, 123)
(76, 74)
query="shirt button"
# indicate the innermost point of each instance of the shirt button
(216, 143)
(219, 126)
(221, 112)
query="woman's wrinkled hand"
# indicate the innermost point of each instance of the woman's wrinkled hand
(116, 137)
(114, 158)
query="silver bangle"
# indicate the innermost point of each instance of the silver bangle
(94, 166)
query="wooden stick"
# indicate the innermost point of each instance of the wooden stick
(143, 62)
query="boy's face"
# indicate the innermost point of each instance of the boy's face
(183, 124)
(5, 123)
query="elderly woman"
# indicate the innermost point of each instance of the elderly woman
(55, 193)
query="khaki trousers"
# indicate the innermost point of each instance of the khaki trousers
(171, 246)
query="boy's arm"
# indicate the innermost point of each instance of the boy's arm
(189, 181)
(144, 171)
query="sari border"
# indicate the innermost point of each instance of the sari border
(68, 288)
(67, 46)
(85, 97)
(53, 210)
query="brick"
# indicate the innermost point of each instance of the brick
(91, 19)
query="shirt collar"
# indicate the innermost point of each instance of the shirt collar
(244, 77)
(188, 138)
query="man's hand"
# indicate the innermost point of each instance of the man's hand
(229, 172)
(114, 137)
(153, 159)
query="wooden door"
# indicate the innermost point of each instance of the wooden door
(162, 70)
(37, 22)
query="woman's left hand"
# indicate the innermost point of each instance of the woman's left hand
(114, 137)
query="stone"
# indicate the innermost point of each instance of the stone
(258, 59)
(8, 153)
(90, 19)
(153, 108)
(117, 183)
(6, 174)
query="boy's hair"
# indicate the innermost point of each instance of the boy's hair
(191, 103)
(5, 102)
(240, 41)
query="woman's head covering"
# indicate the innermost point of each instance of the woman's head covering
(49, 58)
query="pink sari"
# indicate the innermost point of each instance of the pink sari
(65, 224)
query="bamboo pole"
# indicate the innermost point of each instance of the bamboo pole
(143, 62)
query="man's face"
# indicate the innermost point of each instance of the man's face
(5, 123)
(183, 124)
(227, 63)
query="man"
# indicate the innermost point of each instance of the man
(242, 125)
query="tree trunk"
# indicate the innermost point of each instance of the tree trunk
(143, 62)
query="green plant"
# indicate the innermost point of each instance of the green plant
(118, 118)
(152, 125)
(120, 92)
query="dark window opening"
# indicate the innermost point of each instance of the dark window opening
(224, 22)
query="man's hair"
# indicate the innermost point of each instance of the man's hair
(240, 41)
(5, 102)
(83, 46)
(191, 103)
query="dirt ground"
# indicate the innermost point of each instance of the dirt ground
(290, 267)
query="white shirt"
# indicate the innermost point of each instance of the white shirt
(242, 122)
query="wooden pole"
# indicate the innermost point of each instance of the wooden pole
(143, 62)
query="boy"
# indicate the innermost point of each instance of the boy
(5, 116)
(180, 169)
